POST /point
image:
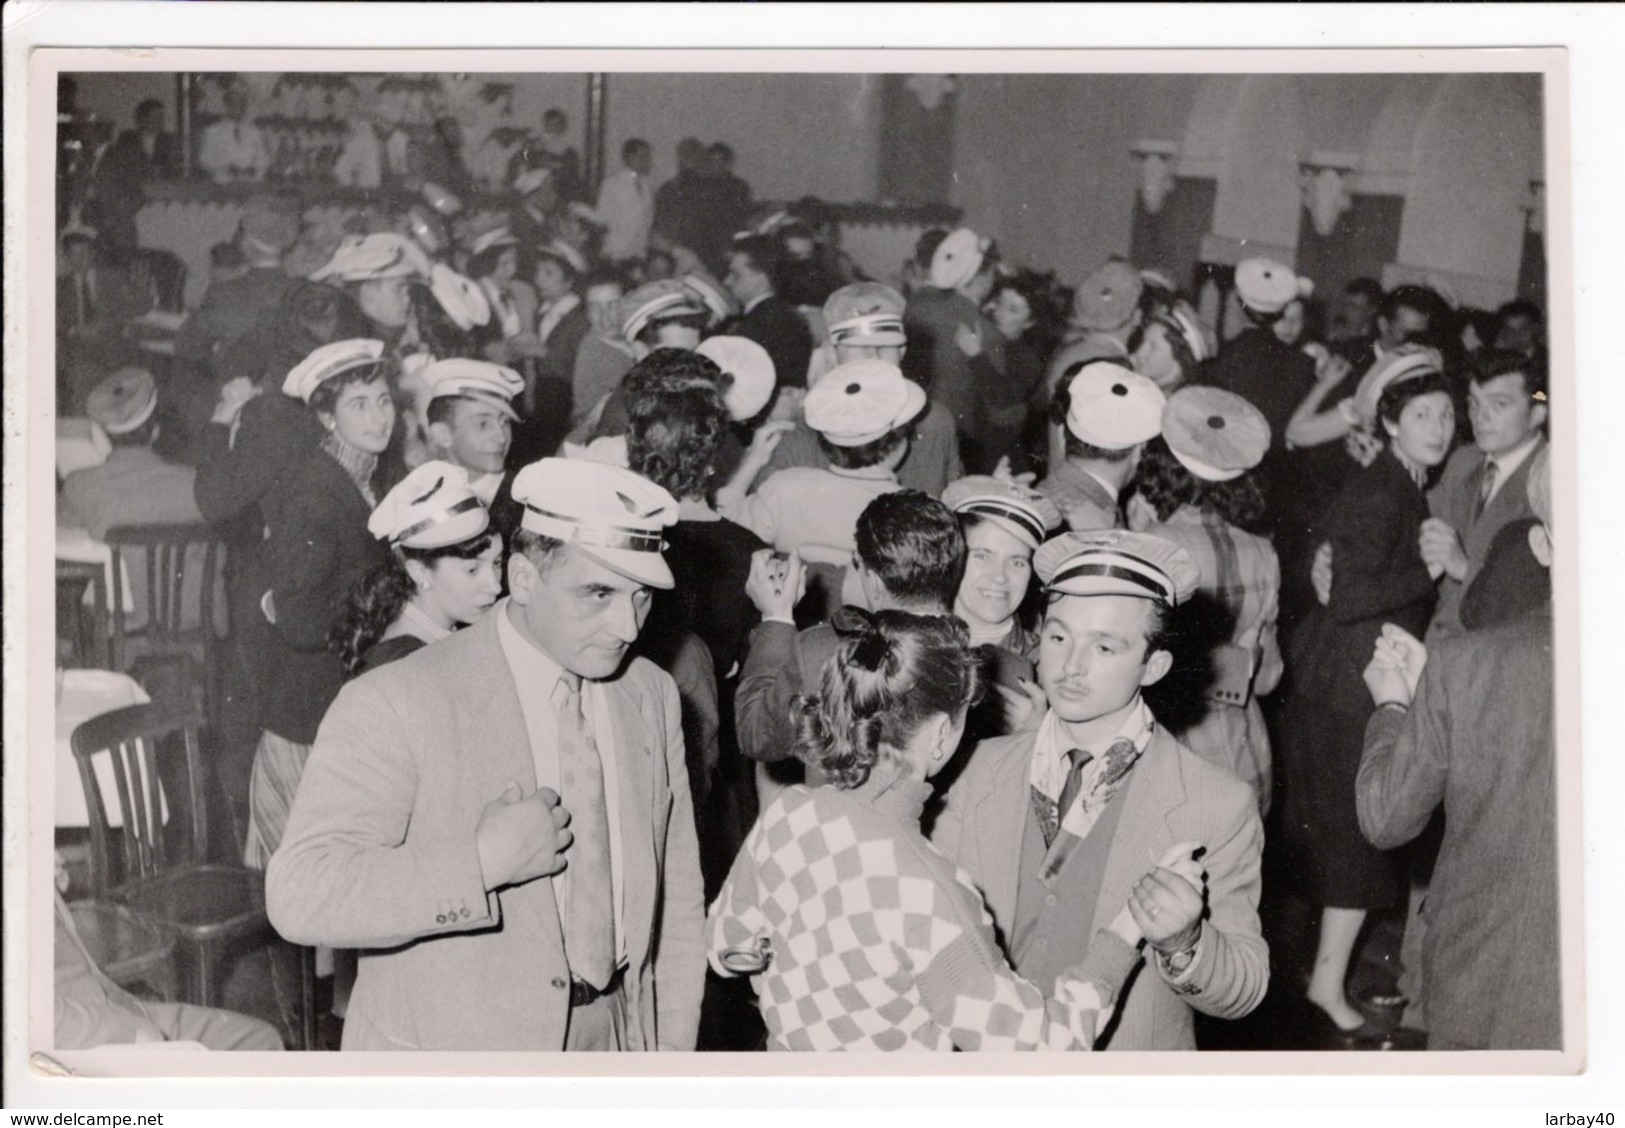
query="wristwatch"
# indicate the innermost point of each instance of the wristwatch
(1178, 963)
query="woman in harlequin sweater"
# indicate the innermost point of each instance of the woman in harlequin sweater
(873, 939)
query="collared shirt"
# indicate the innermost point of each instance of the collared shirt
(1507, 464)
(1104, 484)
(756, 301)
(1050, 766)
(536, 675)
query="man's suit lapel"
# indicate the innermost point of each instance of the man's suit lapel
(1001, 818)
(1156, 791)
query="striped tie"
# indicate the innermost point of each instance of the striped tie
(589, 916)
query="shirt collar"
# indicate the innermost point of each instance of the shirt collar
(1053, 743)
(1507, 464)
(756, 301)
(877, 473)
(533, 669)
(1104, 484)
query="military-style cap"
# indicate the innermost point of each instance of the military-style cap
(655, 301)
(1113, 407)
(461, 297)
(1116, 562)
(328, 361)
(476, 379)
(1190, 328)
(530, 180)
(751, 368)
(1392, 369)
(1215, 434)
(608, 512)
(865, 313)
(1267, 286)
(1026, 514)
(1108, 297)
(717, 301)
(496, 237)
(123, 401)
(860, 401)
(366, 258)
(957, 259)
(431, 507)
(565, 253)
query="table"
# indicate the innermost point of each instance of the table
(84, 694)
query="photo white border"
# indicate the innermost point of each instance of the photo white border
(27, 258)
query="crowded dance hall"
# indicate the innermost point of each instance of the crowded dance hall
(785, 562)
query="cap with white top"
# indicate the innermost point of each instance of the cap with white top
(1117, 562)
(1112, 407)
(613, 515)
(461, 297)
(1215, 434)
(327, 361)
(123, 402)
(489, 383)
(957, 259)
(1266, 286)
(431, 507)
(1026, 514)
(657, 300)
(752, 370)
(1108, 297)
(367, 258)
(861, 401)
(1392, 369)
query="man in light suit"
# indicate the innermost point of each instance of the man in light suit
(1056, 826)
(501, 822)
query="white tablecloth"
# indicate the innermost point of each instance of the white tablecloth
(85, 694)
(79, 546)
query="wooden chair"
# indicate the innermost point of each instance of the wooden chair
(180, 626)
(160, 870)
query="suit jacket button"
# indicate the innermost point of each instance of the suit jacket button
(558, 982)
(440, 918)
(465, 914)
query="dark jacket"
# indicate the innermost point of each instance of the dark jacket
(318, 548)
(779, 328)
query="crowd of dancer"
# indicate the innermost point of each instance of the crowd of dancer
(638, 618)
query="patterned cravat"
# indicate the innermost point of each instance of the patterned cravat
(589, 917)
(1486, 486)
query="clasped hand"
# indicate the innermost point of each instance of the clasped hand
(522, 837)
(1165, 905)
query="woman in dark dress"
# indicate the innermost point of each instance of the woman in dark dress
(316, 547)
(443, 570)
(1379, 577)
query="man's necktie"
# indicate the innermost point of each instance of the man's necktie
(1076, 759)
(589, 917)
(1486, 487)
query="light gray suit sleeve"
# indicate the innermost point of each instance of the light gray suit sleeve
(348, 874)
(680, 946)
(1232, 968)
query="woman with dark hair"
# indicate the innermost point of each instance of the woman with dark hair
(678, 420)
(1374, 528)
(1003, 523)
(315, 549)
(1167, 348)
(1195, 488)
(443, 570)
(1017, 310)
(864, 935)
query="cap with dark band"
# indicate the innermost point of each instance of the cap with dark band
(613, 515)
(431, 507)
(1028, 515)
(1117, 562)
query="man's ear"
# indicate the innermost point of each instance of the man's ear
(522, 578)
(1537, 415)
(1540, 543)
(439, 433)
(1156, 668)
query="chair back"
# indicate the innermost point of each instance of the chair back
(166, 552)
(142, 741)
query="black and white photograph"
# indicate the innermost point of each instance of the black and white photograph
(741, 564)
